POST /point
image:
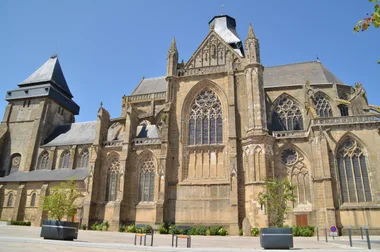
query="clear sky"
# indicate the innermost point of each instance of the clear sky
(105, 47)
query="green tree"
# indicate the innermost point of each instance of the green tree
(276, 198)
(371, 19)
(60, 202)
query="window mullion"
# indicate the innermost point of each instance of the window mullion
(354, 179)
(361, 177)
(345, 175)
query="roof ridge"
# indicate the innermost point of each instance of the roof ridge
(296, 63)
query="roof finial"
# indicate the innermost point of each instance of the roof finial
(251, 34)
(101, 104)
(54, 56)
(317, 58)
(221, 9)
(173, 46)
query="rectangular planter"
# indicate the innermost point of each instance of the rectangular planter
(59, 230)
(276, 238)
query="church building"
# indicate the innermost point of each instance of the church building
(195, 146)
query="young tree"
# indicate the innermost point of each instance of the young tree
(276, 198)
(60, 202)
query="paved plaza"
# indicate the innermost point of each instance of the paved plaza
(26, 239)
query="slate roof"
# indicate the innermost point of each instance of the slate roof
(274, 76)
(298, 74)
(47, 175)
(71, 134)
(51, 71)
(150, 85)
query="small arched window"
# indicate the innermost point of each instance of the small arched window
(65, 159)
(33, 200)
(84, 159)
(113, 177)
(322, 106)
(206, 122)
(343, 110)
(43, 161)
(10, 200)
(147, 176)
(286, 115)
(353, 172)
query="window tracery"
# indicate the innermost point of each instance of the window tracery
(343, 110)
(205, 122)
(147, 177)
(65, 159)
(84, 159)
(322, 106)
(44, 161)
(15, 161)
(353, 172)
(10, 200)
(287, 115)
(113, 178)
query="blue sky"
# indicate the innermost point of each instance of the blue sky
(105, 47)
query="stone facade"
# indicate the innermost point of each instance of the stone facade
(195, 146)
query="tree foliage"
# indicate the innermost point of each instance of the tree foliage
(60, 202)
(276, 199)
(371, 19)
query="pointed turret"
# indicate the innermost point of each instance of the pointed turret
(251, 33)
(172, 61)
(252, 48)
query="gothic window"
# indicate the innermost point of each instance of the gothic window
(287, 115)
(205, 122)
(343, 110)
(65, 159)
(353, 172)
(33, 200)
(44, 161)
(10, 200)
(298, 173)
(84, 159)
(322, 106)
(113, 178)
(146, 182)
(15, 161)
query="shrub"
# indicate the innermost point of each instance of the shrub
(192, 231)
(214, 230)
(295, 231)
(208, 232)
(201, 230)
(222, 231)
(21, 223)
(83, 226)
(131, 228)
(162, 229)
(121, 228)
(306, 232)
(240, 232)
(255, 231)
(93, 226)
(303, 231)
(172, 229)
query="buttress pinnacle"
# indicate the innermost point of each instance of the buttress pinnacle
(251, 34)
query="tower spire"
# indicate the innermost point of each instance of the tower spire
(173, 46)
(251, 33)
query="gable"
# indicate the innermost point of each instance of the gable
(213, 51)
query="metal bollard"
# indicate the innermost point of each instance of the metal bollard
(367, 234)
(326, 234)
(317, 234)
(349, 235)
(361, 232)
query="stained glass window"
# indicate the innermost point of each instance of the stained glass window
(322, 106)
(147, 177)
(113, 177)
(44, 161)
(289, 156)
(205, 122)
(353, 174)
(84, 159)
(65, 159)
(287, 115)
(33, 200)
(10, 200)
